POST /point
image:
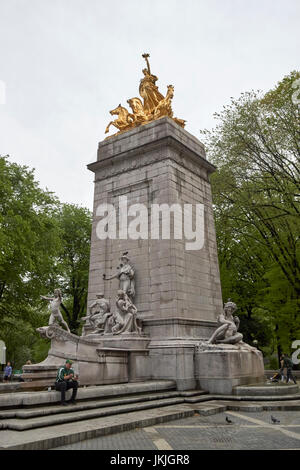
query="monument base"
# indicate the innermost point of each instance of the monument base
(97, 359)
(191, 362)
(221, 367)
(173, 360)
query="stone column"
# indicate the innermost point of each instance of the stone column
(178, 292)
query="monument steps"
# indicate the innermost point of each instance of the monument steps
(199, 398)
(20, 419)
(192, 393)
(91, 404)
(51, 420)
(208, 397)
(257, 407)
(54, 436)
(291, 397)
(32, 385)
(30, 410)
(279, 389)
(19, 399)
(212, 408)
(51, 437)
(85, 405)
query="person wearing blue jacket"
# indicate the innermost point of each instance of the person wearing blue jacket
(7, 372)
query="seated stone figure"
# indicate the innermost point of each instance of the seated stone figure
(227, 332)
(124, 319)
(99, 313)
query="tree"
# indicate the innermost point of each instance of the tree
(255, 146)
(28, 237)
(43, 245)
(72, 267)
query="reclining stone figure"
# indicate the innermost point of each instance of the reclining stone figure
(227, 332)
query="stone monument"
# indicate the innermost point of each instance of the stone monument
(151, 189)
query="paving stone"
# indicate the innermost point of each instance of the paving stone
(206, 433)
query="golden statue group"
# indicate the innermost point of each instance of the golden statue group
(154, 107)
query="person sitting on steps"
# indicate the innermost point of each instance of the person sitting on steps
(66, 379)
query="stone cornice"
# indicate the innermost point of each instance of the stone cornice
(181, 154)
(146, 133)
(178, 321)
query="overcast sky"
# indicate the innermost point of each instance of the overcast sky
(66, 63)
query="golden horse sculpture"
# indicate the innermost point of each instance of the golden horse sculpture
(155, 105)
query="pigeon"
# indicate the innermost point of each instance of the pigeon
(274, 420)
(228, 420)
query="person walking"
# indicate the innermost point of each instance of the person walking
(7, 372)
(66, 379)
(287, 362)
(281, 372)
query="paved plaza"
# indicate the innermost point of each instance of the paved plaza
(248, 431)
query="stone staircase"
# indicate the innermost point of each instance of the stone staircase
(266, 389)
(31, 410)
(36, 420)
(266, 392)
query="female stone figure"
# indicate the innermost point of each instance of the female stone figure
(124, 320)
(126, 277)
(148, 90)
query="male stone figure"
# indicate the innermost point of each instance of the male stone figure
(99, 312)
(227, 331)
(55, 303)
(126, 277)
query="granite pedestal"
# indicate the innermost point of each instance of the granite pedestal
(223, 367)
(178, 292)
(98, 360)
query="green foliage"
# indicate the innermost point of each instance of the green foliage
(256, 149)
(43, 245)
(39, 350)
(29, 238)
(73, 261)
(273, 363)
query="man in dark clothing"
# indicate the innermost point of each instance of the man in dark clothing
(289, 366)
(65, 380)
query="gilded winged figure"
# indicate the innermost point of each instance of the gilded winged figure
(154, 105)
